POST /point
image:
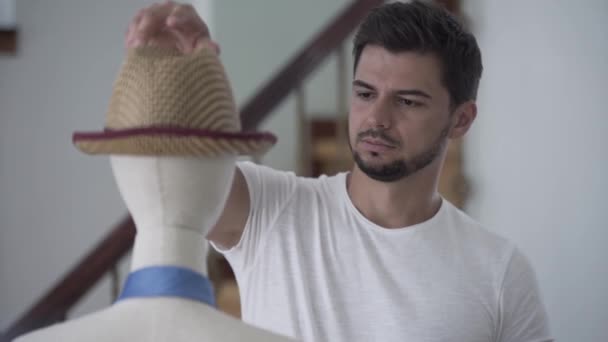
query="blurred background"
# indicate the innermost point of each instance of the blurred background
(533, 169)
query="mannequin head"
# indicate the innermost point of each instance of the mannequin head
(176, 192)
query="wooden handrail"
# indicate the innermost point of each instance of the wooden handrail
(8, 41)
(55, 304)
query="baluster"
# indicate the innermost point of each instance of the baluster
(115, 282)
(342, 93)
(303, 132)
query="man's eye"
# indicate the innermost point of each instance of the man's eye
(364, 95)
(407, 102)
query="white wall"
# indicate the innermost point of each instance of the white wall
(537, 153)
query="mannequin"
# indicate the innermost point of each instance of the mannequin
(174, 202)
(174, 169)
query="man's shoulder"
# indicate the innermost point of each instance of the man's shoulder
(476, 238)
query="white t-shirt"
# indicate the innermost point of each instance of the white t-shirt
(309, 265)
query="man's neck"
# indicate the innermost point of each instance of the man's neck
(403, 203)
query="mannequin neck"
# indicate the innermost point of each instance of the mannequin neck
(170, 246)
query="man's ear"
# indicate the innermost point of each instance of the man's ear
(462, 119)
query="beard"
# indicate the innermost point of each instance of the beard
(400, 168)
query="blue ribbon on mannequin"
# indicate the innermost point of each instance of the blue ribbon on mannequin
(168, 281)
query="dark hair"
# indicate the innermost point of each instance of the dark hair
(426, 28)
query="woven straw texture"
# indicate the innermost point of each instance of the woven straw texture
(167, 103)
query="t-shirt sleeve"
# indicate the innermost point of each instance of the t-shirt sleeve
(269, 192)
(522, 313)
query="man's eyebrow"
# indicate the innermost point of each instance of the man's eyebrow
(415, 92)
(362, 84)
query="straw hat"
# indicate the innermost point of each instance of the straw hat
(168, 103)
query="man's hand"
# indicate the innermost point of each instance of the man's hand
(170, 25)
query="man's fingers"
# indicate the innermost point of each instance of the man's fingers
(152, 21)
(132, 29)
(216, 47)
(190, 29)
(184, 18)
(169, 24)
(209, 44)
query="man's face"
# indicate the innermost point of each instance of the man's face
(400, 113)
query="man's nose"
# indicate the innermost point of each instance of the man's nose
(380, 116)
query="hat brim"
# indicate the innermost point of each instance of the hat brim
(173, 142)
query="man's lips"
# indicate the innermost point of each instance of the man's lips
(376, 145)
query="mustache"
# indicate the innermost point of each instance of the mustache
(377, 134)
